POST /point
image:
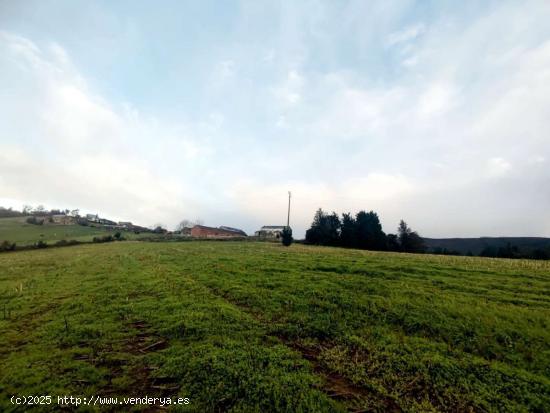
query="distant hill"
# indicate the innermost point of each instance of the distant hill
(22, 233)
(18, 230)
(476, 245)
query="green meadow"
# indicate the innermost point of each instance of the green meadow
(257, 327)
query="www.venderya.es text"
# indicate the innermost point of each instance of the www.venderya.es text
(98, 400)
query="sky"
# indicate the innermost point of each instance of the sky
(435, 112)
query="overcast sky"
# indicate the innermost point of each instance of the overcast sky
(434, 112)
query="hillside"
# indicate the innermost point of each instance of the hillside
(477, 245)
(244, 326)
(19, 231)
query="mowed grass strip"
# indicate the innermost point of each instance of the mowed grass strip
(258, 327)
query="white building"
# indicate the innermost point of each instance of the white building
(270, 231)
(92, 217)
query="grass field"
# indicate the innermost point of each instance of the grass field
(18, 231)
(256, 327)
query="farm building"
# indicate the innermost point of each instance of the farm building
(105, 221)
(237, 231)
(200, 231)
(270, 231)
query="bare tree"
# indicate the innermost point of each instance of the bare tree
(184, 223)
(187, 223)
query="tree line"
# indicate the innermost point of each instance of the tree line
(363, 231)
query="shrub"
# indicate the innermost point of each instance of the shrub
(286, 236)
(40, 244)
(106, 238)
(7, 246)
(64, 242)
(32, 220)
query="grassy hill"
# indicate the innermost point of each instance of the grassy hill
(243, 326)
(476, 245)
(19, 231)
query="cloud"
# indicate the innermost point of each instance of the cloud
(226, 69)
(289, 91)
(497, 167)
(76, 149)
(437, 99)
(405, 35)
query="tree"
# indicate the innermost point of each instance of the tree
(187, 223)
(325, 229)
(40, 210)
(313, 234)
(159, 229)
(409, 240)
(27, 209)
(392, 242)
(348, 231)
(184, 223)
(286, 236)
(332, 230)
(369, 231)
(509, 251)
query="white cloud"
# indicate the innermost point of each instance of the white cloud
(497, 167)
(76, 149)
(289, 92)
(406, 35)
(226, 69)
(437, 99)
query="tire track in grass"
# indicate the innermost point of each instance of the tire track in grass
(142, 342)
(356, 399)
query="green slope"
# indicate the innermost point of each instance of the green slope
(18, 231)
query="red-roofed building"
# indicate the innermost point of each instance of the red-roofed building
(200, 231)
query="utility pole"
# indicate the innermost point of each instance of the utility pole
(288, 216)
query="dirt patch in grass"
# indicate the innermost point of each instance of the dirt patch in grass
(143, 341)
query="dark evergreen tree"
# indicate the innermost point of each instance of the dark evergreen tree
(286, 236)
(331, 230)
(348, 231)
(313, 234)
(325, 229)
(392, 242)
(409, 240)
(369, 231)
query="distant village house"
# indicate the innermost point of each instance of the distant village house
(92, 217)
(270, 231)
